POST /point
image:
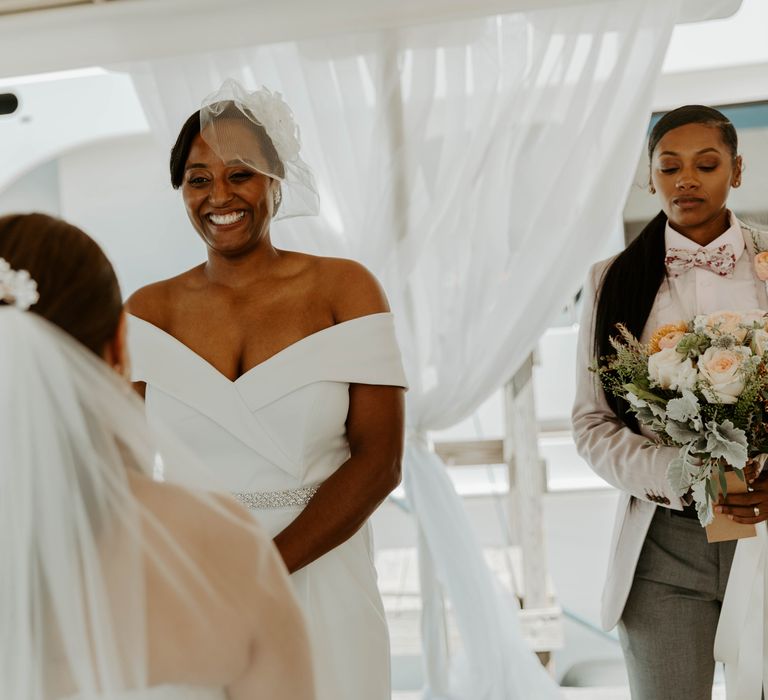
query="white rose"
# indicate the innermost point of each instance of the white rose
(687, 377)
(759, 342)
(722, 369)
(671, 370)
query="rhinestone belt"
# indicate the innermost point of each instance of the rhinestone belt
(277, 499)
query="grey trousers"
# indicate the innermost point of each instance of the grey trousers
(667, 629)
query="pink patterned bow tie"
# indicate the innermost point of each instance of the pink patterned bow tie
(721, 260)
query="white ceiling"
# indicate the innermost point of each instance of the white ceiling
(9, 6)
(107, 33)
(69, 106)
(720, 62)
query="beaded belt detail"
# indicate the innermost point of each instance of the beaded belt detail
(277, 499)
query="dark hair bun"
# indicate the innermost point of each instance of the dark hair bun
(77, 284)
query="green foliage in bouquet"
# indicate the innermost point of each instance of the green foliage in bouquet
(702, 387)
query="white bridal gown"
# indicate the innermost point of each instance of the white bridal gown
(272, 436)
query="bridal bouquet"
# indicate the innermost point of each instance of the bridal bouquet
(701, 386)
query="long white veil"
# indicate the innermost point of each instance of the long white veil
(72, 534)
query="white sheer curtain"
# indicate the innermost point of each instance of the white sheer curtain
(475, 167)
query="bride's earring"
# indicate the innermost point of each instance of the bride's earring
(651, 189)
(277, 197)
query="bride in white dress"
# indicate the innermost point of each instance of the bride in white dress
(281, 370)
(115, 586)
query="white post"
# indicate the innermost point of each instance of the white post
(527, 482)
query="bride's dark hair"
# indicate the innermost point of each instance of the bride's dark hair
(78, 287)
(629, 285)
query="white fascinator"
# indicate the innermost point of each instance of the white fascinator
(258, 129)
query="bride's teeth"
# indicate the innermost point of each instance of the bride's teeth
(226, 219)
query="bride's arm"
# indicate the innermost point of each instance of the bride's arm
(348, 497)
(375, 430)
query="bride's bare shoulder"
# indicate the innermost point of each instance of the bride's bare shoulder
(154, 302)
(352, 289)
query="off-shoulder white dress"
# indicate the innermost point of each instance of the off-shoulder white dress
(272, 436)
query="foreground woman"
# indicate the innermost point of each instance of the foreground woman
(666, 583)
(281, 370)
(113, 585)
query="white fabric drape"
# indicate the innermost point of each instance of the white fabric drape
(476, 168)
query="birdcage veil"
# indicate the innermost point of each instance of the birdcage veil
(258, 129)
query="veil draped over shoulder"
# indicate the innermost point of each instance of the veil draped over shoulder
(73, 536)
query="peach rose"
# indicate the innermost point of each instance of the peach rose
(668, 334)
(721, 369)
(761, 265)
(754, 316)
(726, 322)
(670, 340)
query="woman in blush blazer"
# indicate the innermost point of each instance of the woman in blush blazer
(665, 582)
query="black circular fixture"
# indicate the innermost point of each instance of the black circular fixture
(9, 103)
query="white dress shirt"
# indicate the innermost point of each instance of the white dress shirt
(702, 291)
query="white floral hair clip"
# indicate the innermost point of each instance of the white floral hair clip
(270, 109)
(261, 106)
(17, 287)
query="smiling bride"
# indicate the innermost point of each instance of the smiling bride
(282, 371)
